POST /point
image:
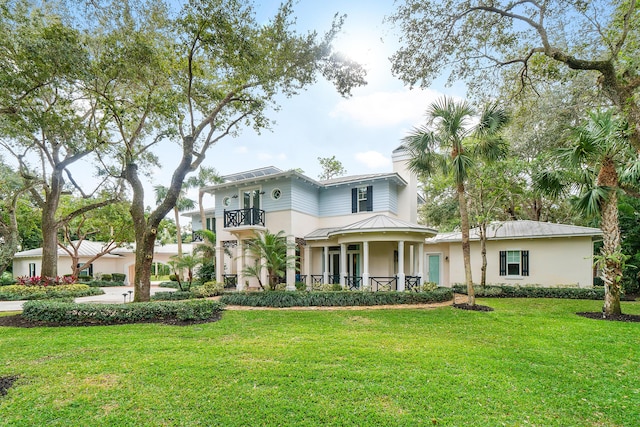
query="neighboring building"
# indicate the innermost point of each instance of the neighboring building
(522, 253)
(362, 232)
(120, 260)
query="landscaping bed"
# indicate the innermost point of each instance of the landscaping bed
(24, 292)
(53, 313)
(334, 299)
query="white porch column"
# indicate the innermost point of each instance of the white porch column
(219, 262)
(240, 264)
(412, 260)
(365, 264)
(421, 262)
(307, 266)
(264, 274)
(325, 272)
(343, 264)
(401, 274)
(291, 267)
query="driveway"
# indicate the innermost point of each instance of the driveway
(112, 295)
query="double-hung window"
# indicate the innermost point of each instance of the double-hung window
(514, 263)
(362, 199)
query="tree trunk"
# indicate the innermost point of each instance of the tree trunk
(146, 227)
(10, 236)
(50, 226)
(176, 213)
(483, 251)
(466, 248)
(611, 250)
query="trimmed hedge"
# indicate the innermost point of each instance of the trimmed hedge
(532, 292)
(104, 283)
(21, 292)
(108, 314)
(172, 296)
(209, 289)
(334, 299)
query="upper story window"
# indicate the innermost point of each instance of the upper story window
(211, 224)
(514, 263)
(362, 199)
(276, 194)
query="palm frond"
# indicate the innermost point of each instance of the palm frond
(550, 182)
(630, 175)
(592, 200)
(460, 165)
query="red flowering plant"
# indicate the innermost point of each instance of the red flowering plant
(45, 281)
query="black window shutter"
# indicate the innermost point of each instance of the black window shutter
(354, 200)
(369, 198)
(503, 263)
(525, 262)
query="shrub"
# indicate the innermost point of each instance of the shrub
(172, 296)
(173, 285)
(301, 286)
(505, 291)
(330, 299)
(208, 289)
(106, 314)
(67, 279)
(6, 279)
(206, 273)
(103, 284)
(85, 278)
(21, 292)
(106, 277)
(428, 287)
(173, 277)
(118, 277)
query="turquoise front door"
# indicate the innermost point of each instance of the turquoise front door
(433, 261)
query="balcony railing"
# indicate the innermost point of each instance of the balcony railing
(243, 217)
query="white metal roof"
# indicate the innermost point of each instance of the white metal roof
(90, 249)
(521, 229)
(377, 223)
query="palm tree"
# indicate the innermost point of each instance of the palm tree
(603, 163)
(182, 204)
(269, 252)
(206, 176)
(447, 145)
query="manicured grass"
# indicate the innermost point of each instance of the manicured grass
(530, 362)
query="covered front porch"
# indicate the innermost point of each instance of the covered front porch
(377, 254)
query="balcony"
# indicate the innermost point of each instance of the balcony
(243, 218)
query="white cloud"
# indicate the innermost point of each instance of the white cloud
(373, 159)
(241, 150)
(268, 157)
(382, 109)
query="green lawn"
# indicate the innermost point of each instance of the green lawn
(531, 362)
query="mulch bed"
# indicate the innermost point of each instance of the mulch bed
(18, 321)
(6, 383)
(475, 307)
(614, 317)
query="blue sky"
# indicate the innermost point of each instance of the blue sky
(360, 131)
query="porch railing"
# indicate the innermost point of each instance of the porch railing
(353, 283)
(230, 280)
(412, 283)
(317, 279)
(384, 283)
(242, 217)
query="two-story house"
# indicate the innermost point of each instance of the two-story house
(362, 232)
(359, 231)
